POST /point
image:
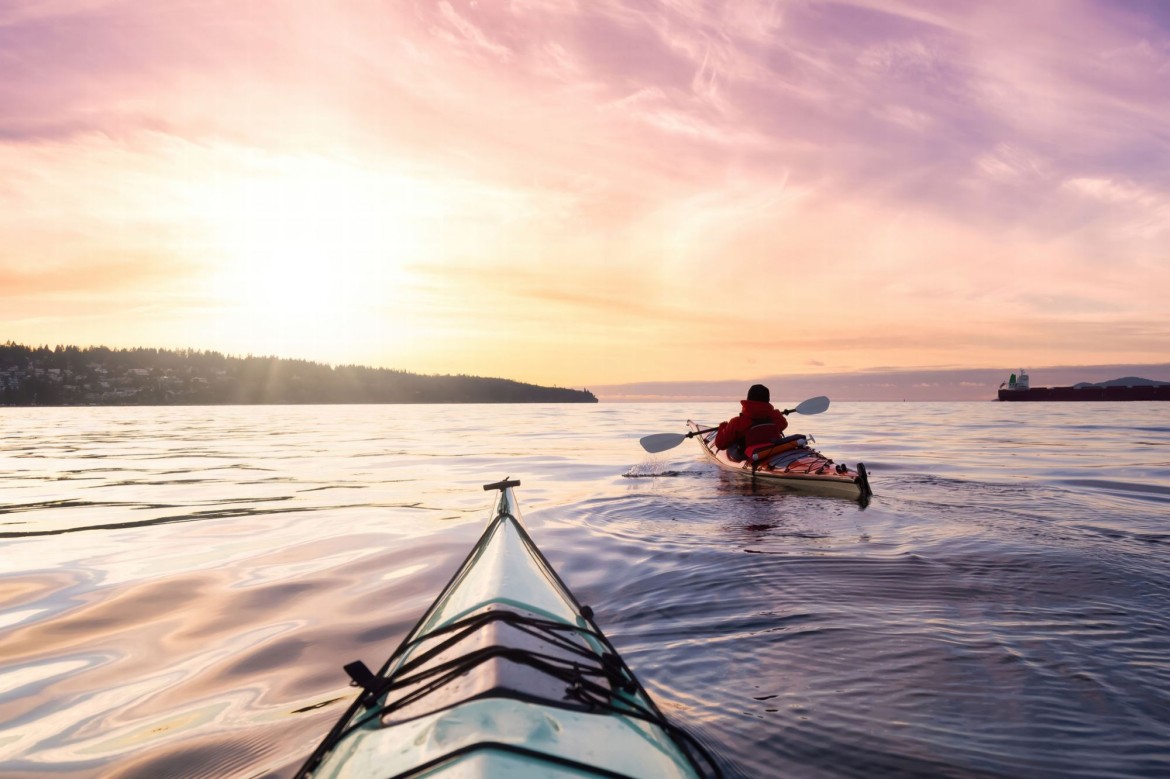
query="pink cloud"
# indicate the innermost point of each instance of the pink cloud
(888, 165)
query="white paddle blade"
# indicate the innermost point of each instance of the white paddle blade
(660, 442)
(815, 405)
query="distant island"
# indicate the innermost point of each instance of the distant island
(1127, 381)
(99, 376)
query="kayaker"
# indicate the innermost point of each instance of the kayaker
(759, 422)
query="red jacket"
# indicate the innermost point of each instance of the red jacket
(754, 412)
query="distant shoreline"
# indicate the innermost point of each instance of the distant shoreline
(229, 404)
(99, 376)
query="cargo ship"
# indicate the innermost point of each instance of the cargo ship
(1129, 388)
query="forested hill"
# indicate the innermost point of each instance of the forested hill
(69, 375)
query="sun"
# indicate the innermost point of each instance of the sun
(309, 254)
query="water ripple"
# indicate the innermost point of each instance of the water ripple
(1002, 608)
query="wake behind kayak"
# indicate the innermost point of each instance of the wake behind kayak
(506, 675)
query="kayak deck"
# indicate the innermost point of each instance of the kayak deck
(505, 675)
(795, 465)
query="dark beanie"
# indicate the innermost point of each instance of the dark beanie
(759, 392)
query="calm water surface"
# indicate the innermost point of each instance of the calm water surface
(179, 587)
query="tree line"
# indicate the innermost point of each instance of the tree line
(72, 375)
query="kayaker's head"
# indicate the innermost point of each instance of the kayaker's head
(759, 392)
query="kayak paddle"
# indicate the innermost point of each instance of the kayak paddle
(660, 442)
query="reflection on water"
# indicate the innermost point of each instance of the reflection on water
(180, 587)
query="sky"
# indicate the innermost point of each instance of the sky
(591, 192)
(914, 384)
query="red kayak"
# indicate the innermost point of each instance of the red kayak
(791, 463)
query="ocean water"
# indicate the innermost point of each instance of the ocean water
(180, 587)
